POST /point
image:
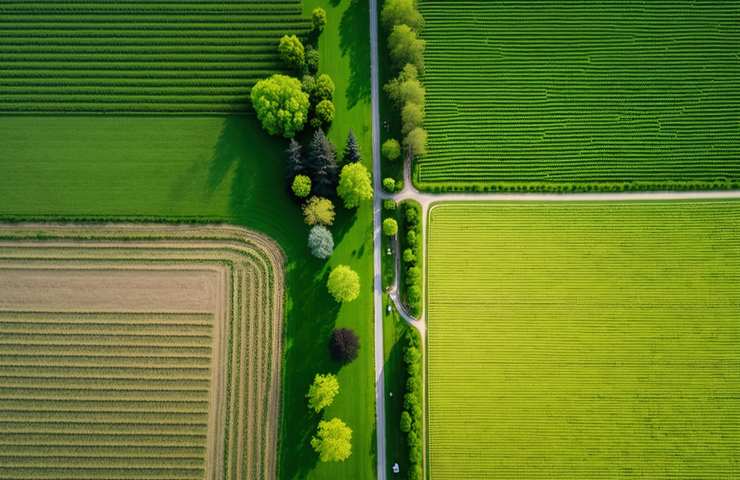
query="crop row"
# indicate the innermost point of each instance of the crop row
(584, 93)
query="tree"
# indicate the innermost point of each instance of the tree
(294, 165)
(344, 345)
(416, 141)
(292, 52)
(321, 164)
(333, 441)
(391, 149)
(412, 116)
(322, 391)
(308, 84)
(405, 422)
(405, 47)
(354, 185)
(343, 284)
(281, 105)
(408, 256)
(318, 211)
(390, 227)
(352, 149)
(324, 87)
(301, 186)
(320, 242)
(406, 88)
(389, 204)
(318, 17)
(389, 185)
(312, 60)
(325, 111)
(396, 12)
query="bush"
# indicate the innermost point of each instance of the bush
(320, 242)
(411, 214)
(281, 105)
(292, 52)
(318, 18)
(389, 204)
(405, 422)
(390, 227)
(325, 111)
(312, 60)
(408, 256)
(343, 284)
(308, 84)
(344, 345)
(389, 185)
(318, 211)
(301, 186)
(412, 419)
(324, 87)
(391, 149)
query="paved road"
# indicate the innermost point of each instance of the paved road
(377, 246)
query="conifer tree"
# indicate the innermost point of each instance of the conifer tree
(352, 149)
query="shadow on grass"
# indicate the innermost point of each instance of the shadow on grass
(354, 30)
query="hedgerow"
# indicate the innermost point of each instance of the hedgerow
(410, 237)
(412, 418)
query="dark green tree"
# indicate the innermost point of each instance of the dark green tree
(352, 149)
(322, 165)
(294, 165)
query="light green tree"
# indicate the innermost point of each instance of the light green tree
(390, 227)
(412, 116)
(416, 141)
(396, 12)
(325, 111)
(391, 149)
(322, 391)
(354, 185)
(343, 284)
(333, 441)
(301, 186)
(405, 47)
(318, 211)
(281, 105)
(291, 51)
(324, 87)
(318, 17)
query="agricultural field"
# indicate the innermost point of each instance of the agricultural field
(174, 56)
(139, 351)
(581, 95)
(584, 340)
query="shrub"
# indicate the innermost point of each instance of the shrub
(354, 185)
(281, 105)
(318, 18)
(325, 111)
(390, 227)
(308, 84)
(318, 211)
(408, 256)
(391, 149)
(411, 214)
(324, 87)
(405, 421)
(301, 186)
(343, 284)
(413, 275)
(322, 391)
(411, 237)
(291, 51)
(320, 242)
(389, 204)
(389, 185)
(312, 60)
(344, 345)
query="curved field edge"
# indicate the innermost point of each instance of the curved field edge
(233, 245)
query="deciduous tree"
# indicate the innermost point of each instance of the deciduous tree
(291, 51)
(354, 185)
(322, 391)
(416, 141)
(318, 17)
(318, 211)
(405, 47)
(325, 111)
(344, 345)
(301, 186)
(390, 227)
(324, 87)
(320, 242)
(333, 441)
(391, 149)
(343, 284)
(396, 12)
(281, 105)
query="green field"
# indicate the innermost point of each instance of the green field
(224, 168)
(605, 95)
(174, 56)
(582, 341)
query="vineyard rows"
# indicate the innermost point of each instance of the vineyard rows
(604, 94)
(157, 394)
(175, 56)
(584, 340)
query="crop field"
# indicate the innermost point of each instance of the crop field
(139, 352)
(164, 56)
(584, 340)
(583, 95)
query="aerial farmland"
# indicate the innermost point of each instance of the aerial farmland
(369, 239)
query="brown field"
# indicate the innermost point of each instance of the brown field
(139, 352)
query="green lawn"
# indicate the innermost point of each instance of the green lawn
(224, 168)
(581, 341)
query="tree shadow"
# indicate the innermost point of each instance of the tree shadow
(354, 31)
